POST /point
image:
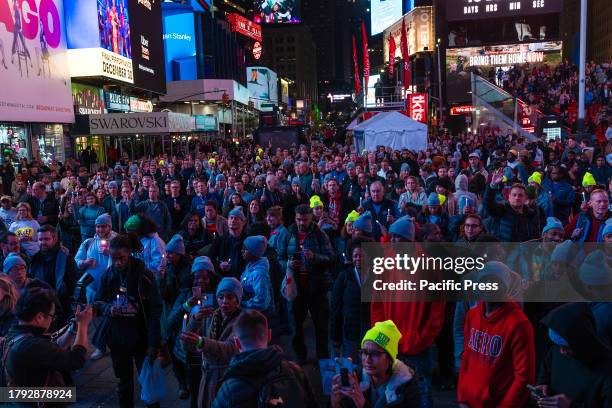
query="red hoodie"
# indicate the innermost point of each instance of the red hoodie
(498, 359)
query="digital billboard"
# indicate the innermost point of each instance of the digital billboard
(126, 43)
(277, 11)
(383, 13)
(419, 32)
(461, 62)
(179, 42)
(262, 83)
(87, 100)
(244, 26)
(33, 67)
(472, 9)
(147, 45)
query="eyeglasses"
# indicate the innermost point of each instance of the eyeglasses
(468, 226)
(365, 353)
(51, 315)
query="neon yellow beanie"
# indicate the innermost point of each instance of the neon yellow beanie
(536, 177)
(211, 161)
(442, 198)
(315, 201)
(385, 335)
(588, 180)
(352, 216)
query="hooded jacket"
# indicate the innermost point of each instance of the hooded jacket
(461, 190)
(257, 286)
(586, 377)
(498, 359)
(402, 389)
(248, 371)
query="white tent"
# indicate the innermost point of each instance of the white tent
(391, 129)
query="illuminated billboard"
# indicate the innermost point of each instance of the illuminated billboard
(383, 13)
(471, 9)
(179, 43)
(262, 83)
(244, 26)
(277, 11)
(419, 32)
(461, 62)
(34, 69)
(87, 100)
(125, 44)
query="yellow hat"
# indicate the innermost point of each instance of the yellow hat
(352, 216)
(588, 180)
(260, 150)
(257, 159)
(442, 198)
(536, 177)
(315, 201)
(385, 335)
(161, 162)
(211, 161)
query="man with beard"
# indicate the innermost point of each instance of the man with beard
(54, 265)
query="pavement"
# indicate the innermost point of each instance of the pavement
(96, 382)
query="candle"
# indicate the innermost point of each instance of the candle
(185, 322)
(117, 301)
(584, 196)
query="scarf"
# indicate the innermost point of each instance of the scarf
(219, 322)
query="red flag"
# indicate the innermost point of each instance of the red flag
(405, 55)
(366, 56)
(357, 80)
(391, 55)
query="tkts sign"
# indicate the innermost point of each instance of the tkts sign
(244, 26)
(417, 107)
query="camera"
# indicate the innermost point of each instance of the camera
(79, 296)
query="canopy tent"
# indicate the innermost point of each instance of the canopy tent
(391, 129)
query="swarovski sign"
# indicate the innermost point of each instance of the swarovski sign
(133, 123)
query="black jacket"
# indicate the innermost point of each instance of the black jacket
(119, 331)
(221, 251)
(586, 377)
(34, 360)
(49, 208)
(350, 318)
(247, 372)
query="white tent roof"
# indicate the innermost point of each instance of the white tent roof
(392, 129)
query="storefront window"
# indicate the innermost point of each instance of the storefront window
(13, 142)
(51, 143)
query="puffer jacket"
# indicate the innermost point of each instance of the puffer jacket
(257, 286)
(402, 389)
(506, 224)
(350, 318)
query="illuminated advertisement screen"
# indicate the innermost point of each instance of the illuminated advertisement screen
(262, 82)
(384, 13)
(471, 9)
(147, 45)
(87, 100)
(277, 11)
(487, 60)
(179, 42)
(114, 27)
(34, 69)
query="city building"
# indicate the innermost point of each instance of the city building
(290, 51)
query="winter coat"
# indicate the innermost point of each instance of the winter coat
(159, 213)
(563, 196)
(416, 199)
(154, 253)
(350, 318)
(47, 208)
(224, 248)
(87, 220)
(216, 355)
(508, 225)
(498, 359)
(402, 389)
(586, 377)
(386, 207)
(277, 235)
(592, 228)
(320, 267)
(130, 332)
(177, 277)
(257, 286)
(602, 311)
(239, 385)
(461, 190)
(90, 249)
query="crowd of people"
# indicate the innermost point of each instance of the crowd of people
(206, 259)
(554, 90)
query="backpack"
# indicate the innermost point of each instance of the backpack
(5, 347)
(281, 388)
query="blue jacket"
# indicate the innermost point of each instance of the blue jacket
(564, 197)
(154, 253)
(197, 202)
(257, 286)
(277, 235)
(90, 248)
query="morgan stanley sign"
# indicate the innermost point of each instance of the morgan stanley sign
(147, 123)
